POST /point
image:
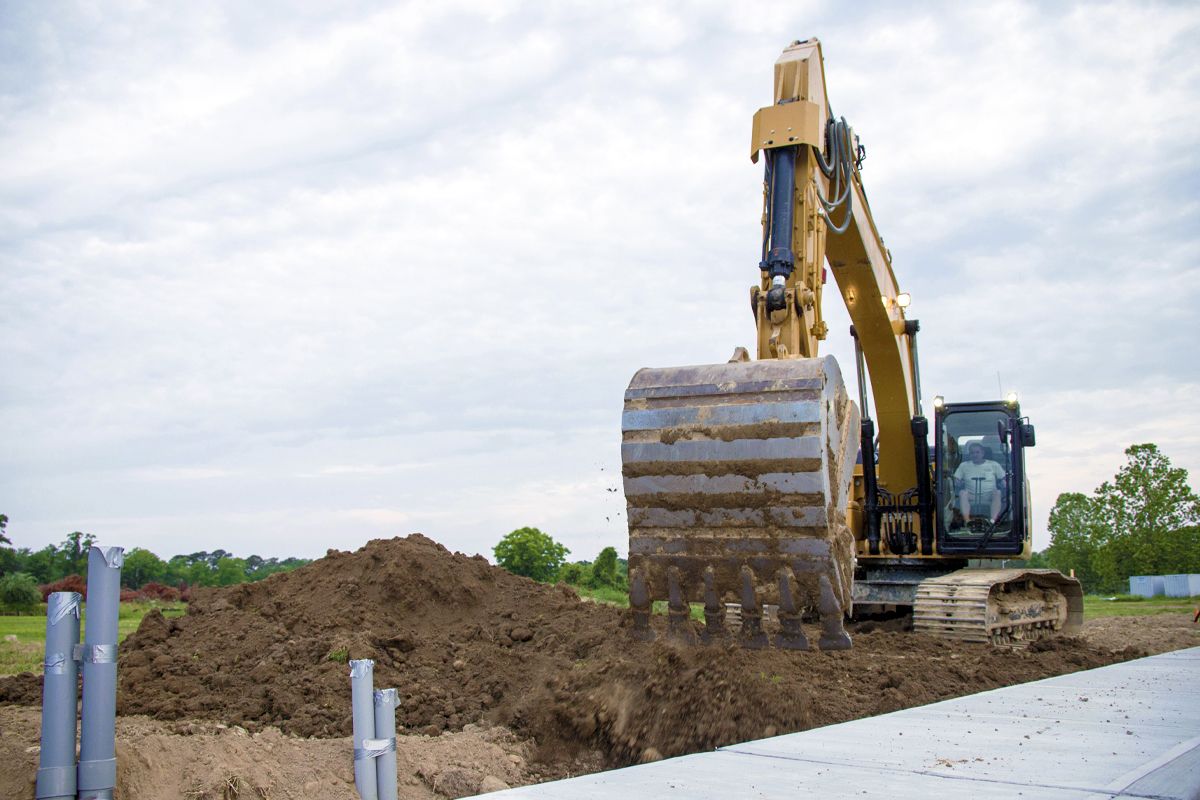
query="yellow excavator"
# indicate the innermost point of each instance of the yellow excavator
(760, 486)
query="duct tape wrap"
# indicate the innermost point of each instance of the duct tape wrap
(100, 654)
(97, 776)
(374, 748)
(55, 664)
(361, 668)
(386, 698)
(114, 557)
(55, 782)
(60, 604)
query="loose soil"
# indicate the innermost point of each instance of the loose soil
(482, 657)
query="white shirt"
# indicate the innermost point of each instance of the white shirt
(988, 473)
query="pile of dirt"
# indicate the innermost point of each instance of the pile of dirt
(460, 639)
(468, 643)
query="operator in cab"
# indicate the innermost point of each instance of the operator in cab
(979, 483)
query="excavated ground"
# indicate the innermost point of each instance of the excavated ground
(528, 669)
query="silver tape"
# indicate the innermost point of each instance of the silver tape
(60, 604)
(374, 748)
(114, 557)
(55, 664)
(361, 667)
(100, 654)
(77, 653)
(385, 698)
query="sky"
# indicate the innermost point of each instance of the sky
(284, 277)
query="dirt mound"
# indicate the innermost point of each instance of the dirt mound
(464, 641)
(459, 638)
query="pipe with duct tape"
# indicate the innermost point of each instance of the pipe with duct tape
(385, 733)
(56, 765)
(97, 739)
(362, 705)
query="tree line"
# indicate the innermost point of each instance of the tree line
(63, 567)
(1145, 521)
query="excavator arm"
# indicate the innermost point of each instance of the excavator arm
(815, 209)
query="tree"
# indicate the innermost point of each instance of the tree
(10, 559)
(1075, 531)
(74, 551)
(1144, 508)
(19, 592)
(529, 552)
(230, 571)
(604, 570)
(1145, 521)
(45, 565)
(575, 573)
(142, 567)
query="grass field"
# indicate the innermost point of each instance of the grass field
(22, 639)
(1124, 605)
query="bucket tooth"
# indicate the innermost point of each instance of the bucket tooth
(791, 635)
(752, 635)
(833, 631)
(714, 610)
(679, 621)
(639, 604)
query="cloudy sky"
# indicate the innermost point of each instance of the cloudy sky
(279, 277)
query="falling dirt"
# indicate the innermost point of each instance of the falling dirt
(484, 656)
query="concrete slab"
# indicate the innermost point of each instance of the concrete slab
(1128, 730)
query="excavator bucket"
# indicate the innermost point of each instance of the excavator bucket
(736, 480)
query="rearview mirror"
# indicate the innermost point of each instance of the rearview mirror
(1028, 437)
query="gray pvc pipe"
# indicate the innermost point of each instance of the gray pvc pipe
(385, 734)
(362, 705)
(56, 773)
(97, 738)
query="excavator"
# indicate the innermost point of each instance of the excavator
(760, 488)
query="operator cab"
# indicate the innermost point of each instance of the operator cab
(981, 502)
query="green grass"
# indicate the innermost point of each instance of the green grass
(605, 594)
(1124, 605)
(620, 597)
(23, 639)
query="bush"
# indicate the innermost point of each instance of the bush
(575, 574)
(156, 591)
(71, 583)
(129, 596)
(19, 592)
